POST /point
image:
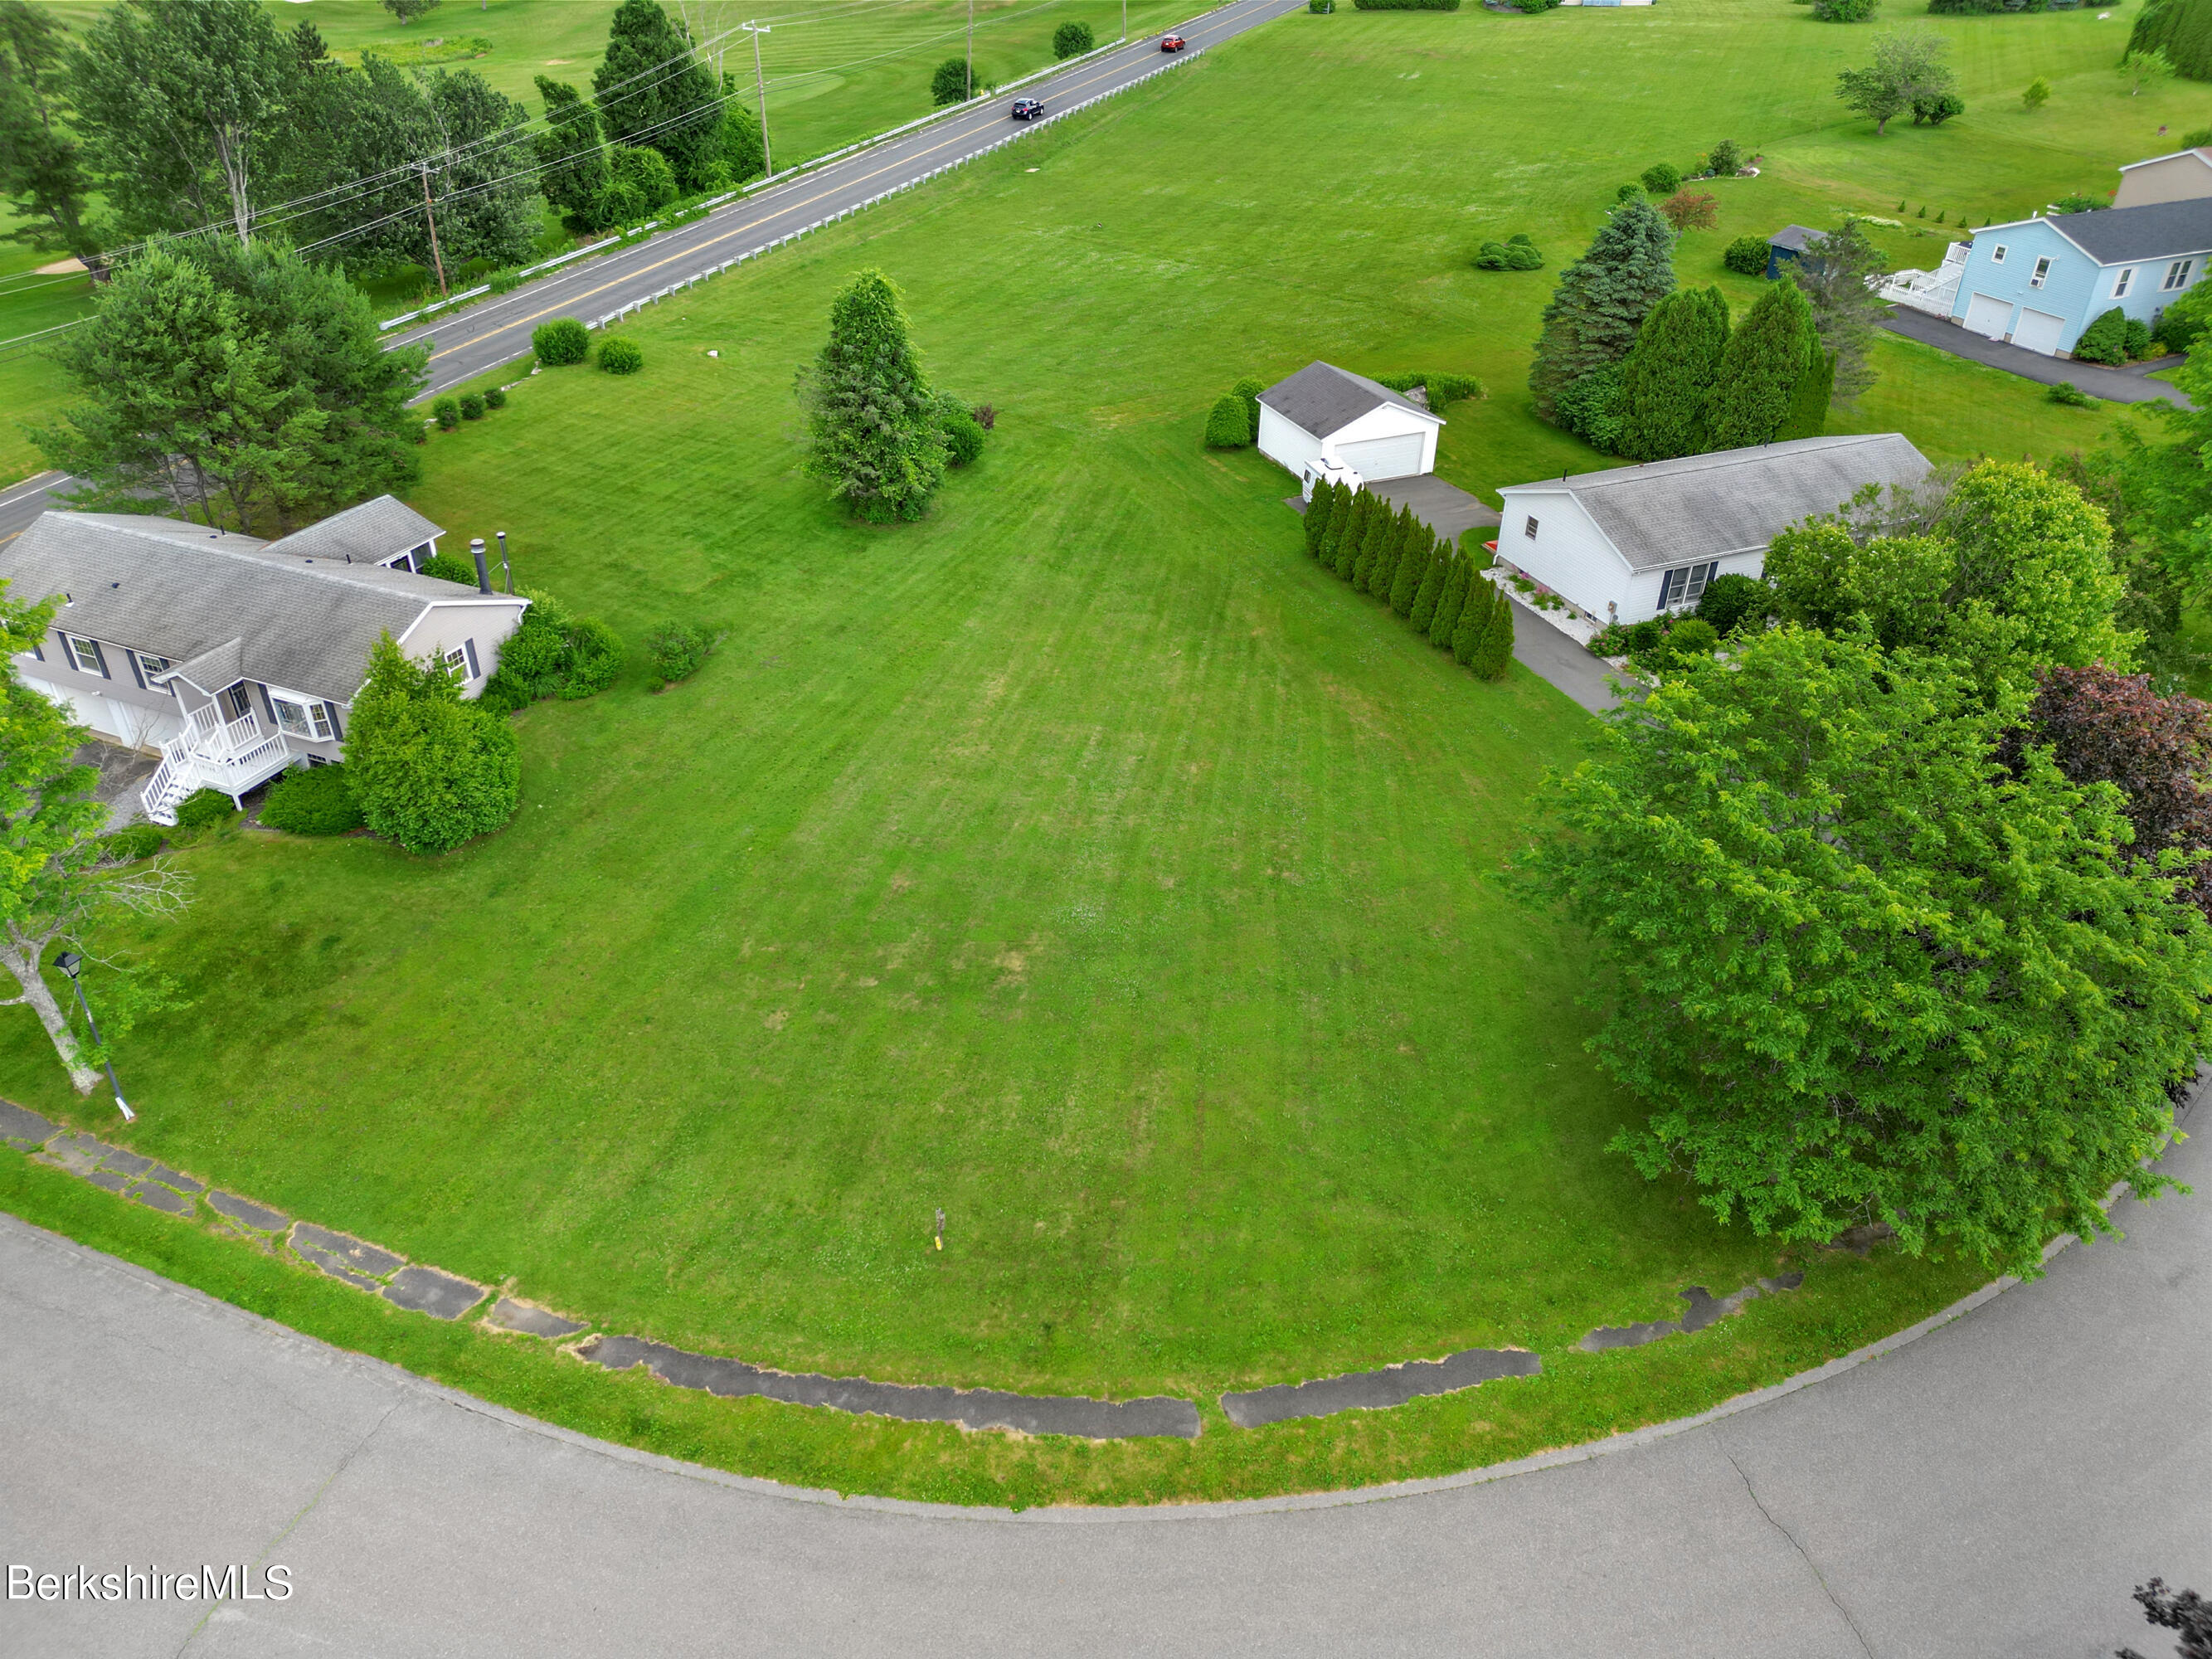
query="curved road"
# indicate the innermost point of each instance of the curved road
(1994, 1488)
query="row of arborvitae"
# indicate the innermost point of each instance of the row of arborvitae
(1399, 560)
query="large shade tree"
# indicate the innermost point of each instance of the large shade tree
(41, 164)
(653, 92)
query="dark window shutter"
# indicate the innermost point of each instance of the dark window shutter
(100, 657)
(131, 657)
(469, 646)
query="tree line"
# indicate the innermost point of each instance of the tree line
(1399, 561)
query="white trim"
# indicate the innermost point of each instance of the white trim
(2153, 160)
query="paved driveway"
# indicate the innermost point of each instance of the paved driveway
(1996, 1488)
(2119, 386)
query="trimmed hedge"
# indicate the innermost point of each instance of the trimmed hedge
(1515, 252)
(314, 801)
(1443, 388)
(1409, 5)
(620, 357)
(561, 342)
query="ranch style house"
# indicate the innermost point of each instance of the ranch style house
(1625, 544)
(233, 657)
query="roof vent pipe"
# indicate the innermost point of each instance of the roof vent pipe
(483, 570)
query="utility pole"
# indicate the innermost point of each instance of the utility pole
(971, 46)
(430, 213)
(1125, 19)
(760, 89)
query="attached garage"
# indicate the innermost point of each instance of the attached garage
(1324, 413)
(1988, 314)
(2039, 331)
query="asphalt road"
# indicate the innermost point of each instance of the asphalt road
(495, 331)
(1994, 1488)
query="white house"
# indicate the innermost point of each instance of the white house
(1326, 414)
(235, 657)
(1626, 544)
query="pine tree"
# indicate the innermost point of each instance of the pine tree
(1412, 565)
(1602, 297)
(1482, 598)
(1340, 524)
(1430, 593)
(1450, 606)
(875, 437)
(1493, 658)
(1769, 353)
(1808, 403)
(1669, 374)
(1317, 511)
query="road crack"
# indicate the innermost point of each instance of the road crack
(1819, 1577)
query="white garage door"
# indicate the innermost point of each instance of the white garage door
(1384, 457)
(1986, 314)
(2039, 331)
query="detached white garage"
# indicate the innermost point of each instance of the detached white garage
(1326, 413)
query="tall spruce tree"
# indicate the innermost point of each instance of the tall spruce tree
(872, 418)
(1318, 507)
(1493, 657)
(1669, 374)
(1379, 575)
(1449, 606)
(1772, 350)
(1482, 598)
(1601, 301)
(569, 151)
(1412, 565)
(1431, 590)
(651, 92)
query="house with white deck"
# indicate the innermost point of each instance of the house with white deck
(1624, 544)
(236, 658)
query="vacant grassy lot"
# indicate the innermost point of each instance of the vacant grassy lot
(1081, 860)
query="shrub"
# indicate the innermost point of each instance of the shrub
(1747, 256)
(2066, 393)
(1729, 600)
(494, 397)
(1683, 643)
(2106, 340)
(986, 416)
(1662, 178)
(1844, 11)
(204, 809)
(948, 83)
(2076, 203)
(2181, 324)
(1627, 192)
(1250, 390)
(503, 693)
(1320, 8)
(678, 649)
(618, 356)
(1227, 427)
(1932, 109)
(964, 438)
(1726, 159)
(2036, 95)
(1515, 252)
(1692, 209)
(446, 411)
(1071, 39)
(2139, 344)
(561, 342)
(1590, 409)
(130, 843)
(448, 569)
(315, 800)
(536, 658)
(472, 406)
(595, 659)
(429, 770)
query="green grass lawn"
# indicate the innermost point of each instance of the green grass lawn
(1082, 861)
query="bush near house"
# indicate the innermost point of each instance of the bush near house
(204, 809)
(561, 342)
(315, 800)
(430, 770)
(1747, 256)
(1228, 426)
(1442, 388)
(2181, 324)
(1250, 390)
(2105, 339)
(1731, 600)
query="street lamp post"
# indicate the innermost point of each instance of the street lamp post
(72, 964)
(760, 90)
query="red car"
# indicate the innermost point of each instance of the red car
(1171, 43)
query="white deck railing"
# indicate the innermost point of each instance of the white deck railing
(211, 753)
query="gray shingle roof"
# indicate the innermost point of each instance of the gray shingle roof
(1324, 399)
(1795, 238)
(373, 531)
(1734, 500)
(180, 591)
(2159, 230)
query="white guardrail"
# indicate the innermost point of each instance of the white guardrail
(615, 316)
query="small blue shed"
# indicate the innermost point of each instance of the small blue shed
(1784, 247)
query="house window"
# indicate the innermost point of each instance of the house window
(301, 719)
(1529, 529)
(1684, 584)
(237, 702)
(150, 664)
(2177, 274)
(463, 662)
(1997, 254)
(2042, 270)
(84, 655)
(2126, 281)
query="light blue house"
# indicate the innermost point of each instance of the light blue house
(2038, 282)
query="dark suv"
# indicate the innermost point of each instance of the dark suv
(1027, 109)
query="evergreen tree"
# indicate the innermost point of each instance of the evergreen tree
(1431, 590)
(1601, 299)
(430, 770)
(1808, 402)
(1412, 565)
(1482, 598)
(652, 92)
(1379, 520)
(1385, 568)
(574, 158)
(1769, 353)
(1668, 375)
(41, 166)
(1322, 504)
(1340, 524)
(875, 437)
(1493, 658)
(1355, 533)
(1449, 606)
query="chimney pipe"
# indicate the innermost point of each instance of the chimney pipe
(484, 573)
(506, 568)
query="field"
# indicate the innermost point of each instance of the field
(1080, 861)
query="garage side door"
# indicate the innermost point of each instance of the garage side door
(1384, 457)
(1987, 315)
(2039, 331)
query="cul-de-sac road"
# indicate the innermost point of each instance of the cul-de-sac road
(1994, 1488)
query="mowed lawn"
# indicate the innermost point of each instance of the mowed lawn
(1081, 860)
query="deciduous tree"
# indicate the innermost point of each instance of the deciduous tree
(1908, 66)
(569, 150)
